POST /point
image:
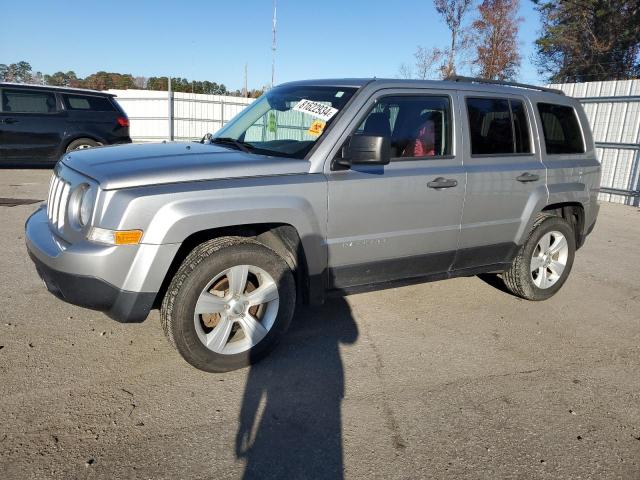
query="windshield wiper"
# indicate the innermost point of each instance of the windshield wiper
(244, 146)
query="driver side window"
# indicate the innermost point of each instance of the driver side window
(417, 126)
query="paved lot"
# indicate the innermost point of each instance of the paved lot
(452, 379)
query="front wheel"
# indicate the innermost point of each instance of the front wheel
(544, 261)
(229, 304)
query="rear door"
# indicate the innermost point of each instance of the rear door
(506, 179)
(32, 125)
(393, 222)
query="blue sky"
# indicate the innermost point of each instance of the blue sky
(213, 40)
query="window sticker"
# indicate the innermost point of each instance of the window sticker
(272, 123)
(316, 128)
(316, 109)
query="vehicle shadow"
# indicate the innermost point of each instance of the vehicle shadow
(496, 282)
(290, 423)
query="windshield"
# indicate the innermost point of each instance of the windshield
(286, 121)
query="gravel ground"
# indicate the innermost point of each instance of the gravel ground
(454, 379)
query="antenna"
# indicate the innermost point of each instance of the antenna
(273, 47)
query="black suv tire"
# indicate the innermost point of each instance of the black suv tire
(195, 278)
(81, 143)
(519, 279)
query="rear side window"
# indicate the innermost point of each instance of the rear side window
(24, 101)
(498, 126)
(86, 102)
(561, 129)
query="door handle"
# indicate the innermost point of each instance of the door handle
(528, 177)
(10, 121)
(442, 182)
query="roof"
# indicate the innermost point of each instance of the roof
(455, 83)
(84, 91)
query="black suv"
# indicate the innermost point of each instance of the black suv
(40, 123)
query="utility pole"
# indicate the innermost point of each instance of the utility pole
(246, 91)
(170, 113)
(273, 47)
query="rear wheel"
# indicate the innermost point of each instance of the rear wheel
(81, 144)
(544, 261)
(229, 304)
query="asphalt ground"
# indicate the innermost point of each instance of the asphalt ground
(453, 379)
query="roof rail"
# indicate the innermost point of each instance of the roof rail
(459, 78)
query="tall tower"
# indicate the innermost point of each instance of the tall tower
(273, 47)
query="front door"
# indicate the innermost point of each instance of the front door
(401, 220)
(31, 125)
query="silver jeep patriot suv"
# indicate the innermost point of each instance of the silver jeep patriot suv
(321, 186)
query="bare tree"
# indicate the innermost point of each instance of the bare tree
(140, 82)
(426, 61)
(496, 39)
(453, 13)
(405, 71)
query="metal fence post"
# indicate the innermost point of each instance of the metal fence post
(170, 103)
(221, 112)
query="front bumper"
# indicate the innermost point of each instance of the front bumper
(122, 281)
(95, 294)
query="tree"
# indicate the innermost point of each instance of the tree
(426, 61)
(405, 71)
(589, 40)
(106, 80)
(16, 72)
(141, 82)
(62, 79)
(426, 64)
(179, 84)
(453, 13)
(496, 39)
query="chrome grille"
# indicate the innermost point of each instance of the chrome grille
(57, 202)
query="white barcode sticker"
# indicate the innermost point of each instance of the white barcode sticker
(316, 109)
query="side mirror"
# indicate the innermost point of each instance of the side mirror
(366, 150)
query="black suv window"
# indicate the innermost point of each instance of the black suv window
(25, 101)
(418, 126)
(86, 102)
(498, 126)
(561, 129)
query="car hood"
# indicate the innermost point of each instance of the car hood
(136, 165)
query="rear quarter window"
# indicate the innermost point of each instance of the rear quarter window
(561, 129)
(88, 103)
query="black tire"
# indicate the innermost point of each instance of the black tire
(81, 143)
(205, 262)
(518, 278)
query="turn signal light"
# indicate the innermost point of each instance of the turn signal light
(127, 237)
(115, 237)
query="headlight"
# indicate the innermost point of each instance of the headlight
(81, 205)
(87, 202)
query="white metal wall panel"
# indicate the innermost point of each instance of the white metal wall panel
(194, 114)
(616, 131)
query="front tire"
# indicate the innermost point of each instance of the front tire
(544, 261)
(229, 304)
